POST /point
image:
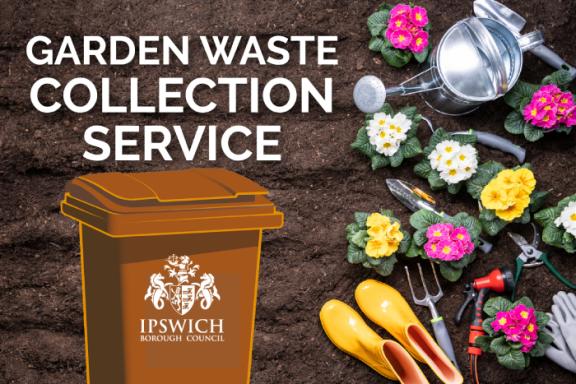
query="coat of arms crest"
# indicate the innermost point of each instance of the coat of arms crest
(179, 290)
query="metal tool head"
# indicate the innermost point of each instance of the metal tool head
(428, 298)
(411, 196)
(369, 94)
(530, 252)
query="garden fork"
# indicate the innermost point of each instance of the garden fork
(440, 330)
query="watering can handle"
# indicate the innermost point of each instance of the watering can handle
(552, 58)
(530, 40)
(497, 142)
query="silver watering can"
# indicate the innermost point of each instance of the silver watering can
(477, 60)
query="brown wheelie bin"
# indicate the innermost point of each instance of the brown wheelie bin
(169, 271)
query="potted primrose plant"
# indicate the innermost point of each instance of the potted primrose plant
(400, 33)
(388, 138)
(543, 108)
(514, 332)
(448, 241)
(505, 195)
(559, 223)
(375, 239)
(449, 161)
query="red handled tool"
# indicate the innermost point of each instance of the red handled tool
(499, 280)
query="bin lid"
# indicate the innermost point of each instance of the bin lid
(169, 202)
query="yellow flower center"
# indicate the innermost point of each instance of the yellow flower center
(564, 100)
(419, 41)
(467, 169)
(502, 321)
(546, 118)
(446, 250)
(382, 134)
(573, 217)
(452, 172)
(542, 99)
(381, 122)
(462, 157)
(448, 149)
(561, 109)
(437, 233)
(524, 314)
(418, 17)
(434, 247)
(547, 108)
(530, 327)
(401, 38)
(533, 112)
(460, 236)
(387, 145)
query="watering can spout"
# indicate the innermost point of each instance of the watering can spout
(370, 93)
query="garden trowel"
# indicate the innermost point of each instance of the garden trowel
(416, 199)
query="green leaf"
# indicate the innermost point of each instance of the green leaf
(377, 22)
(362, 143)
(545, 338)
(375, 44)
(395, 57)
(525, 218)
(387, 109)
(470, 222)
(492, 227)
(568, 242)
(484, 174)
(454, 188)
(420, 237)
(413, 250)
(386, 266)
(423, 168)
(533, 133)
(355, 255)
(405, 243)
(524, 300)
(360, 218)
(487, 214)
(396, 159)
(497, 304)
(351, 229)
(500, 346)
(487, 325)
(552, 235)
(467, 138)
(483, 342)
(374, 261)
(411, 147)
(359, 239)
(378, 161)
(561, 78)
(449, 273)
(514, 359)
(409, 111)
(537, 199)
(519, 93)
(538, 350)
(423, 218)
(542, 319)
(435, 181)
(422, 56)
(546, 216)
(514, 123)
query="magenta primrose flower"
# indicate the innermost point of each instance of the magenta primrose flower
(447, 243)
(550, 107)
(518, 325)
(405, 28)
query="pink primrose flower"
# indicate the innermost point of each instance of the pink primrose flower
(400, 9)
(419, 16)
(401, 38)
(419, 42)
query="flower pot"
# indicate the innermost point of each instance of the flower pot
(169, 273)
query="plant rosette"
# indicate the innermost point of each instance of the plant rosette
(559, 224)
(448, 241)
(400, 33)
(539, 109)
(449, 161)
(388, 138)
(506, 195)
(514, 332)
(374, 240)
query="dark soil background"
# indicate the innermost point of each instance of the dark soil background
(319, 183)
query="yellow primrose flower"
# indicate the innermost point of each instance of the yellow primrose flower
(377, 219)
(525, 179)
(377, 249)
(514, 211)
(494, 197)
(377, 232)
(506, 178)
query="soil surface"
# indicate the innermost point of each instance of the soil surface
(319, 183)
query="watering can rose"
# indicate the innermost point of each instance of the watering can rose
(448, 241)
(400, 33)
(388, 138)
(515, 332)
(539, 109)
(374, 240)
(449, 160)
(559, 223)
(506, 195)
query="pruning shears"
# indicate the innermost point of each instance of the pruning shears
(532, 257)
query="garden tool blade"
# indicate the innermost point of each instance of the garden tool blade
(494, 10)
(411, 196)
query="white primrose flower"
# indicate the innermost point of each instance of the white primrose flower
(454, 162)
(567, 218)
(386, 133)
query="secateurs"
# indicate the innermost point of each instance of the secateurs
(532, 257)
(438, 324)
